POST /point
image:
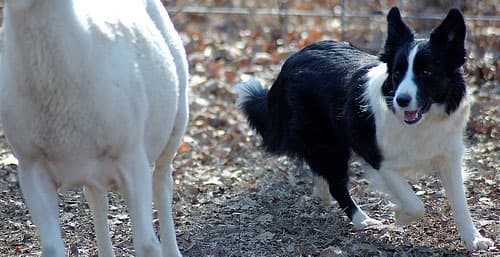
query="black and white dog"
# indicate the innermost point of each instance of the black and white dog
(403, 112)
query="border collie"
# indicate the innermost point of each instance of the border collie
(403, 112)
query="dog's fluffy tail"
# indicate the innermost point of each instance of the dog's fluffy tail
(253, 101)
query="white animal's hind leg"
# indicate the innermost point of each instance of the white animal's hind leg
(40, 195)
(164, 185)
(98, 203)
(408, 207)
(451, 177)
(138, 194)
(163, 190)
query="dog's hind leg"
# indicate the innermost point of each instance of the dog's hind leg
(321, 190)
(339, 190)
(333, 167)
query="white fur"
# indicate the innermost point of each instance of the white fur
(434, 144)
(241, 89)
(412, 149)
(93, 94)
(361, 221)
(407, 85)
(321, 190)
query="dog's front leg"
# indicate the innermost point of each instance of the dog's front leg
(408, 207)
(451, 176)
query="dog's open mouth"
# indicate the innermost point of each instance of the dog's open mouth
(412, 117)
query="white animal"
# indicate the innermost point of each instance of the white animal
(92, 94)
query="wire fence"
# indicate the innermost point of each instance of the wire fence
(344, 11)
(352, 18)
(339, 9)
(293, 12)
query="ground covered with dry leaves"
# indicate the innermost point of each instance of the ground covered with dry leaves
(231, 199)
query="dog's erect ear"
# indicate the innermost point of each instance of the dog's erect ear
(397, 30)
(451, 30)
(449, 37)
(398, 33)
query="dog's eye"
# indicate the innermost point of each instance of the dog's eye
(396, 74)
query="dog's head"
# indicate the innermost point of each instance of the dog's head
(424, 73)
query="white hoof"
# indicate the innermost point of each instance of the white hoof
(478, 243)
(407, 214)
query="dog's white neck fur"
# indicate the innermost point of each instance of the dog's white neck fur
(411, 149)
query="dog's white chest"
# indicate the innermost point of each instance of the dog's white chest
(411, 149)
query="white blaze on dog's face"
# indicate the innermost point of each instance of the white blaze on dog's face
(411, 102)
(405, 102)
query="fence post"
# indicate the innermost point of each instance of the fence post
(283, 5)
(342, 21)
(229, 19)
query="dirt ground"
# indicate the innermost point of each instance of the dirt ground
(231, 199)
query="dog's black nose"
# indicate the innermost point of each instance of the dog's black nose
(403, 99)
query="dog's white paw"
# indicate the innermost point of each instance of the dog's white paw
(361, 221)
(367, 223)
(478, 243)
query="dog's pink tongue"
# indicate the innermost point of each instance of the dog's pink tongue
(411, 115)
